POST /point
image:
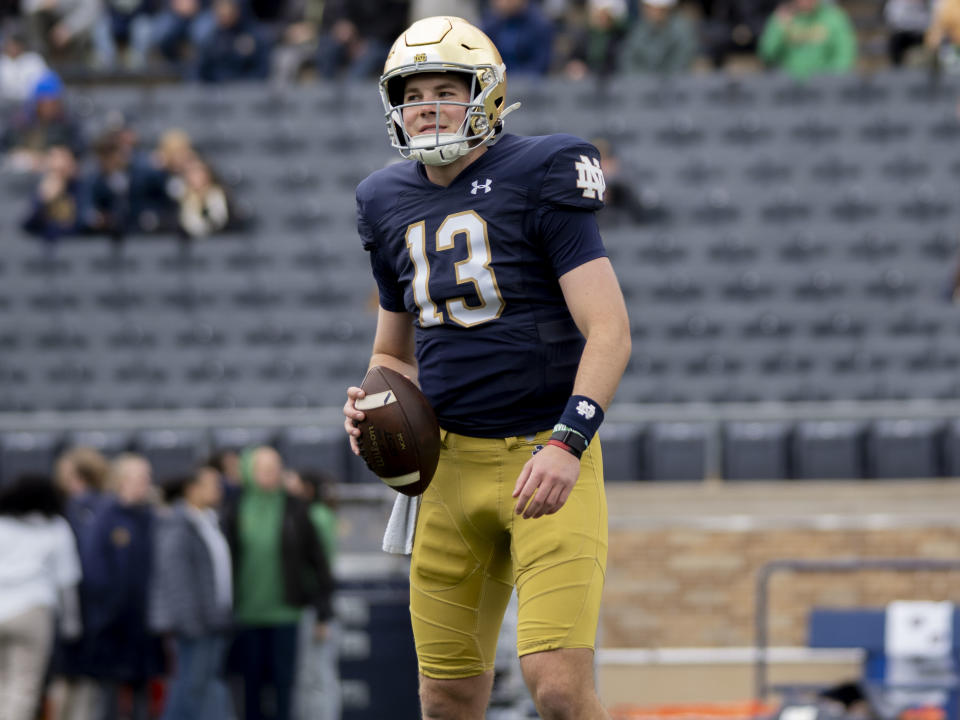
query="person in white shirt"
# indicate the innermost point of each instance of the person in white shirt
(20, 69)
(39, 574)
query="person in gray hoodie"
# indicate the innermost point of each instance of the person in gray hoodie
(192, 599)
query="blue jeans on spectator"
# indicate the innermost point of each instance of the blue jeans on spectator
(170, 30)
(318, 695)
(197, 689)
(267, 656)
(138, 29)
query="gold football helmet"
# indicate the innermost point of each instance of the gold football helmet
(445, 44)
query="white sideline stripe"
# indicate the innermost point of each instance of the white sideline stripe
(380, 399)
(725, 656)
(401, 480)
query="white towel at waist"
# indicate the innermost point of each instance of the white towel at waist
(398, 537)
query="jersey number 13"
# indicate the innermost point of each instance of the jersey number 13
(474, 270)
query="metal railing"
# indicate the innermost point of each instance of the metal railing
(762, 685)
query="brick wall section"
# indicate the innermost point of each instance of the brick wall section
(683, 586)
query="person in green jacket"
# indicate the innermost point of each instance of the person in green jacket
(663, 41)
(280, 568)
(809, 37)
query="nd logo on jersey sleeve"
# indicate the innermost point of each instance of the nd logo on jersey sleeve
(590, 177)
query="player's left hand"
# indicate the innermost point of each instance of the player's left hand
(545, 482)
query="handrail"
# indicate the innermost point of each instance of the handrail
(762, 686)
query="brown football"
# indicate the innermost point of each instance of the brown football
(399, 435)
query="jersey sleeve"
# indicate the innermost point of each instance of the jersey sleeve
(388, 286)
(572, 191)
(573, 178)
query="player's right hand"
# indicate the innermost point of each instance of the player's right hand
(353, 416)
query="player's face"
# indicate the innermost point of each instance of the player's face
(433, 87)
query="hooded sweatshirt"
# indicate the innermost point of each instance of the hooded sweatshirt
(259, 568)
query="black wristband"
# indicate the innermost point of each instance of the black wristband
(572, 439)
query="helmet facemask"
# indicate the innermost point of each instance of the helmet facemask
(443, 148)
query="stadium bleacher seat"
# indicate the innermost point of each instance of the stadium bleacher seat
(675, 451)
(756, 450)
(316, 448)
(828, 450)
(108, 442)
(173, 453)
(27, 452)
(904, 448)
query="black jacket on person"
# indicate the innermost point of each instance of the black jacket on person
(307, 579)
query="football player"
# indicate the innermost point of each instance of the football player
(496, 294)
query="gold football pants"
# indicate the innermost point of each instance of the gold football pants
(470, 549)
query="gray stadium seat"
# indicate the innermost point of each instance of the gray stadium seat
(904, 449)
(828, 450)
(622, 445)
(756, 451)
(27, 452)
(316, 448)
(108, 442)
(239, 438)
(675, 451)
(172, 453)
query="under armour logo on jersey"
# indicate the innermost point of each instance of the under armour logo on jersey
(588, 410)
(485, 186)
(590, 177)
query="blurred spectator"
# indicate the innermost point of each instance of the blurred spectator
(357, 34)
(39, 572)
(522, 34)
(129, 24)
(279, 568)
(181, 26)
(125, 654)
(596, 46)
(943, 35)
(907, 22)
(204, 209)
(226, 461)
(622, 200)
(81, 475)
(127, 193)
(662, 42)
(61, 30)
(42, 122)
(297, 42)
(809, 37)
(174, 150)
(734, 27)
(318, 677)
(193, 599)
(236, 49)
(57, 208)
(20, 69)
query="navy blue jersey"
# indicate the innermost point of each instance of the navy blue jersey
(476, 264)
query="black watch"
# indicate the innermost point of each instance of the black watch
(572, 439)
